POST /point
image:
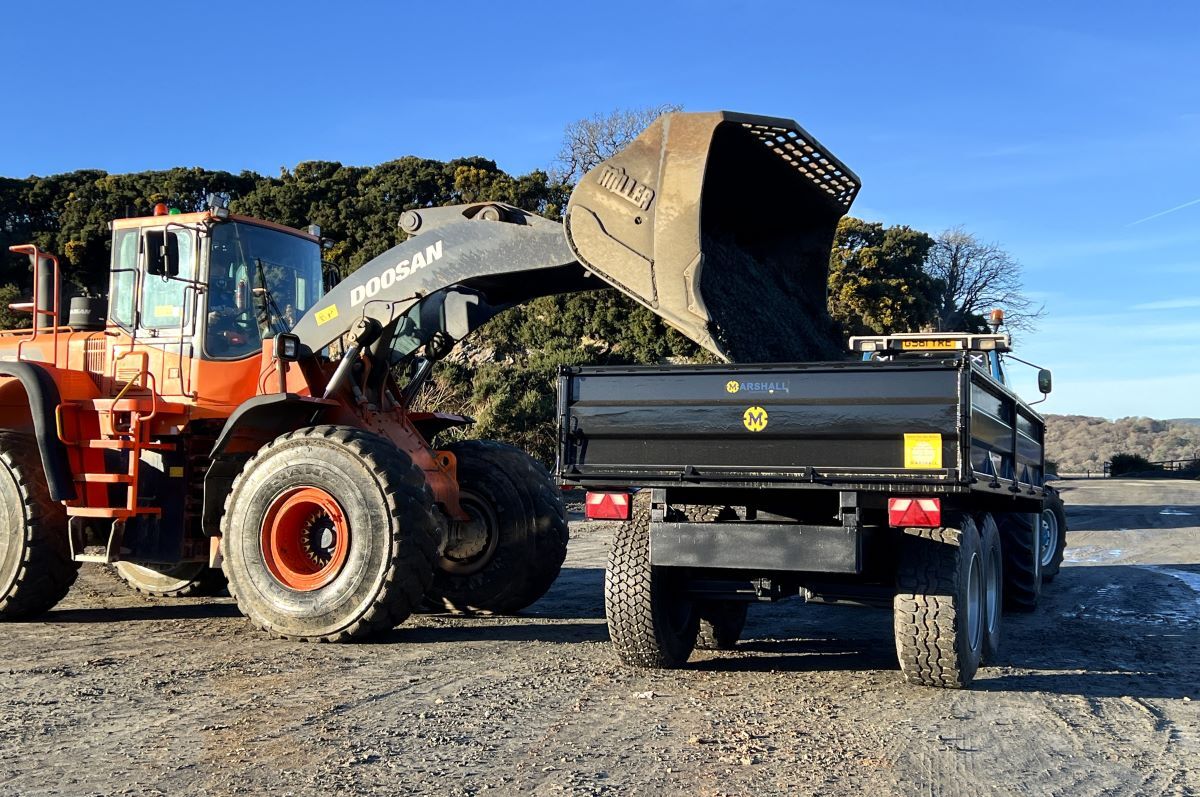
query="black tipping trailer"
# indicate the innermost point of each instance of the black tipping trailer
(911, 483)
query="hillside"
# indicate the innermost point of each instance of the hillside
(1078, 443)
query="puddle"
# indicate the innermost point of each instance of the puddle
(1091, 554)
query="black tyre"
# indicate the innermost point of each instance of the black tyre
(938, 611)
(183, 580)
(511, 552)
(36, 569)
(651, 621)
(1020, 539)
(721, 624)
(993, 587)
(1054, 535)
(328, 535)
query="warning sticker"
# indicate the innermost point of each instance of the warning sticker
(327, 315)
(923, 451)
(755, 419)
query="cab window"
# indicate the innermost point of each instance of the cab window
(124, 277)
(163, 297)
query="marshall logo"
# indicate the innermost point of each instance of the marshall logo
(616, 180)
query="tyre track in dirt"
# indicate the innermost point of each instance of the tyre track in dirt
(1095, 694)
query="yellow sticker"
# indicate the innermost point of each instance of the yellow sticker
(175, 473)
(732, 386)
(327, 315)
(167, 311)
(755, 419)
(925, 345)
(923, 451)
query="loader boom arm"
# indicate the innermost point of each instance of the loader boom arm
(720, 223)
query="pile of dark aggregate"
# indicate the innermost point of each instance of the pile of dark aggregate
(767, 308)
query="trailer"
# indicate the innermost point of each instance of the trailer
(913, 480)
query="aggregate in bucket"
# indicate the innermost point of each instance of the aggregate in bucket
(722, 224)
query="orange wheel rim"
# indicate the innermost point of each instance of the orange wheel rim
(305, 539)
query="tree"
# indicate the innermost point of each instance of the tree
(588, 142)
(976, 277)
(877, 279)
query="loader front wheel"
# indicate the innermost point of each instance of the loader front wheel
(510, 551)
(183, 580)
(328, 535)
(940, 608)
(36, 569)
(652, 622)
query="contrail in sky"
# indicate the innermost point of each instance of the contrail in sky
(1165, 212)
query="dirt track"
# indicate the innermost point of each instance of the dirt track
(1098, 693)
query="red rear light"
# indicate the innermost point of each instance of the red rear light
(905, 512)
(607, 506)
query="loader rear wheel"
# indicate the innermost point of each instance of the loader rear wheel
(507, 556)
(651, 620)
(721, 624)
(1054, 535)
(183, 580)
(939, 608)
(1020, 538)
(36, 569)
(328, 535)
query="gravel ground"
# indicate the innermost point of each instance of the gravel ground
(1096, 694)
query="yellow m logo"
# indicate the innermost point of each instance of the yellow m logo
(755, 419)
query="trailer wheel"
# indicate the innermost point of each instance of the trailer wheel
(993, 586)
(511, 552)
(651, 621)
(183, 580)
(36, 569)
(1054, 535)
(721, 624)
(328, 534)
(938, 610)
(1020, 539)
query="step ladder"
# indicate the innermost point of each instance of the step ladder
(124, 425)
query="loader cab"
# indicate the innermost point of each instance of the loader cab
(215, 286)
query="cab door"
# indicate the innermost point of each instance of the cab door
(158, 312)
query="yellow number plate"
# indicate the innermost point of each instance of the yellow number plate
(928, 345)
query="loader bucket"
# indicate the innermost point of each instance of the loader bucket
(722, 224)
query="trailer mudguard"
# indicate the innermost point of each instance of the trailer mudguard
(43, 403)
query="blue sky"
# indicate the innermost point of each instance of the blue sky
(1065, 132)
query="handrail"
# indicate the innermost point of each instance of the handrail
(36, 255)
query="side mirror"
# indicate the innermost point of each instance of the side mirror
(1044, 380)
(162, 253)
(460, 314)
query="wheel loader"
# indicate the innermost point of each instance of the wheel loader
(226, 410)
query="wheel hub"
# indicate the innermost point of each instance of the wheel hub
(470, 544)
(305, 538)
(1049, 536)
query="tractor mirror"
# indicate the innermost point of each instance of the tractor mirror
(162, 254)
(1044, 380)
